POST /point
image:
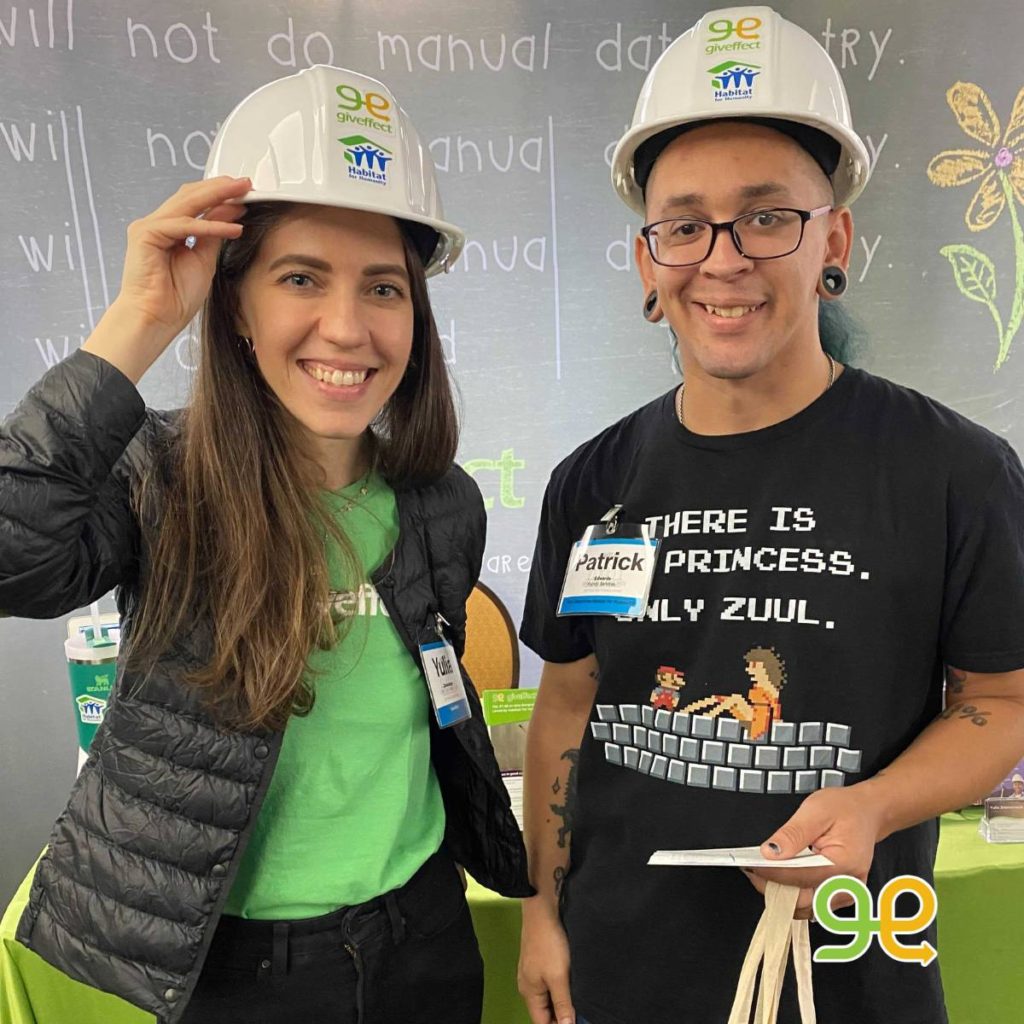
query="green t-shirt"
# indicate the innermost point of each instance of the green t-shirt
(354, 807)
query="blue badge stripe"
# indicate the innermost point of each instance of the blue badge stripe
(599, 605)
(452, 713)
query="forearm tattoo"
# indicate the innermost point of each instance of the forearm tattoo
(967, 711)
(565, 811)
(559, 879)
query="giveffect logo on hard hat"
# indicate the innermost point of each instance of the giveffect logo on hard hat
(722, 30)
(366, 110)
(734, 80)
(367, 160)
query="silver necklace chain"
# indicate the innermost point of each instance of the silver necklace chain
(682, 388)
(364, 489)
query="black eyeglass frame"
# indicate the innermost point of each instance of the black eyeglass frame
(804, 215)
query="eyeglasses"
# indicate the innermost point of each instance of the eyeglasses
(764, 235)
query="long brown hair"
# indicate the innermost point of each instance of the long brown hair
(773, 664)
(237, 543)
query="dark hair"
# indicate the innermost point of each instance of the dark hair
(842, 335)
(417, 431)
(239, 527)
(824, 149)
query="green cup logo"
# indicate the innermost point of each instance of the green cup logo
(91, 709)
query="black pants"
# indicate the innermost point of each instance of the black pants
(408, 957)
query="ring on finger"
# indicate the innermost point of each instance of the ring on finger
(190, 240)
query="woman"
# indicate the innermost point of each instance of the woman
(269, 822)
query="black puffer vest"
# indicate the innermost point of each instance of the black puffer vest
(141, 861)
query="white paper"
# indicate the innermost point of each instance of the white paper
(514, 784)
(736, 857)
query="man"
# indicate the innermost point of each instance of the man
(867, 533)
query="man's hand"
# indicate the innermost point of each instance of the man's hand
(544, 966)
(842, 824)
(956, 759)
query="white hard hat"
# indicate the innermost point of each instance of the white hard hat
(1017, 777)
(744, 62)
(336, 138)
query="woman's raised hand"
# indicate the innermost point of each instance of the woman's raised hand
(165, 281)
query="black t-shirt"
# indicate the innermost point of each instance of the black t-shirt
(813, 579)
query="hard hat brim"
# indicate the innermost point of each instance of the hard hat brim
(848, 180)
(451, 239)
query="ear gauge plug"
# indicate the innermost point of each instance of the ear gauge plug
(834, 281)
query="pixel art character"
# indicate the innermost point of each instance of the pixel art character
(666, 694)
(761, 706)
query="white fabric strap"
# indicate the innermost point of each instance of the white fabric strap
(802, 969)
(769, 949)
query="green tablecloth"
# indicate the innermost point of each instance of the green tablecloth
(981, 925)
(497, 921)
(980, 887)
(33, 992)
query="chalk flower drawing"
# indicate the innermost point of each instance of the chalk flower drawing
(1001, 169)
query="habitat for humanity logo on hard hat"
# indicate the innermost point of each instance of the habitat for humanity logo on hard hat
(367, 160)
(733, 80)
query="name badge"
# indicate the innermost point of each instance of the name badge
(610, 570)
(444, 680)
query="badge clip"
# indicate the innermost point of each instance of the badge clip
(610, 520)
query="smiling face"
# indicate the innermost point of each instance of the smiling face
(327, 303)
(736, 316)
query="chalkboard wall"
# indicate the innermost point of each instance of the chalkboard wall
(105, 108)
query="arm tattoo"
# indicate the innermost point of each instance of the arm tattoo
(560, 874)
(567, 810)
(955, 680)
(968, 711)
